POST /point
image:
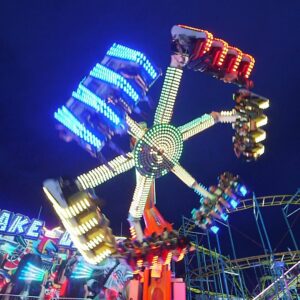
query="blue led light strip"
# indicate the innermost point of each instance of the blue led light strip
(84, 95)
(7, 248)
(64, 116)
(107, 75)
(82, 271)
(31, 272)
(123, 52)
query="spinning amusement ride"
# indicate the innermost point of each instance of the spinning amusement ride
(106, 105)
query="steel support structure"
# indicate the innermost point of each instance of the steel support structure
(227, 277)
(288, 210)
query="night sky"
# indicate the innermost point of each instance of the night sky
(47, 47)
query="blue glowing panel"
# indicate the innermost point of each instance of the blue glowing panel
(82, 271)
(7, 248)
(107, 75)
(243, 190)
(65, 117)
(65, 240)
(18, 224)
(5, 217)
(84, 95)
(34, 230)
(214, 229)
(234, 203)
(135, 56)
(224, 216)
(31, 273)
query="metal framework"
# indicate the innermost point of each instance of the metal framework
(210, 273)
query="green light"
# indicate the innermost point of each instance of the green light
(158, 151)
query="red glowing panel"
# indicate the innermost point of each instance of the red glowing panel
(237, 60)
(204, 45)
(220, 54)
(233, 59)
(247, 65)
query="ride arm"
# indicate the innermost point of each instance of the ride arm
(190, 181)
(134, 129)
(140, 196)
(165, 108)
(206, 121)
(105, 172)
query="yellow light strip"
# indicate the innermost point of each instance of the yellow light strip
(190, 181)
(134, 129)
(196, 126)
(228, 116)
(140, 197)
(184, 176)
(78, 232)
(97, 176)
(260, 121)
(164, 110)
(259, 135)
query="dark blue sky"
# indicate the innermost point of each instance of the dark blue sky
(47, 47)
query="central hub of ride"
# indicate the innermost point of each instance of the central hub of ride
(157, 152)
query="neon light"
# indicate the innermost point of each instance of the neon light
(64, 116)
(223, 53)
(208, 35)
(214, 229)
(31, 273)
(17, 224)
(126, 53)
(250, 66)
(260, 121)
(7, 248)
(34, 230)
(81, 271)
(97, 176)
(65, 240)
(234, 203)
(237, 60)
(224, 216)
(196, 126)
(243, 190)
(164, 110)
(5, 217)
(105, 74)
(86, 96)
(140, 196)
(161, 138)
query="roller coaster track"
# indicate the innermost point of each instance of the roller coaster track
(234, 265)
(211, 294)
(285, 288)
(295, 281)
(264, 201)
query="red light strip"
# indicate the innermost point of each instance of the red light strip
(250, 66)
(237, 60)
(209, 36)
(222, 56)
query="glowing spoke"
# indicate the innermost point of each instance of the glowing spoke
(140, 196)
(190, 181)
(196, 126)
(206, 121)
(164, 110)
(134, 128)
(227, 116)
(97, 176)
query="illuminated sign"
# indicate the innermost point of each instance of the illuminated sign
(18, 224)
